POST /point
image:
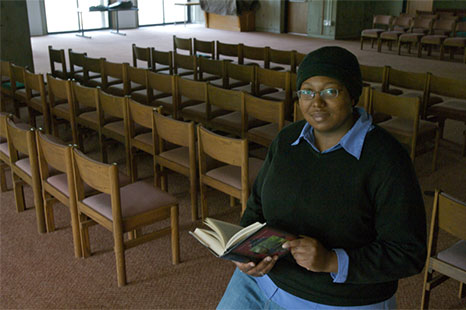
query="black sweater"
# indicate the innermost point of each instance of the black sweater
(371, 207)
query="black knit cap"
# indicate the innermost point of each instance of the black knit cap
(334, 62)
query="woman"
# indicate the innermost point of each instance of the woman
(347, 188)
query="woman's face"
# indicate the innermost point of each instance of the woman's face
(327, 115)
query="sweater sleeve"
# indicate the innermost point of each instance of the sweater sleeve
(253, 212)
(399, 247)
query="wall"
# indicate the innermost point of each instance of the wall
(450, 4)
(14, 33)
(270, 16)
(415, 5)
(36, 14)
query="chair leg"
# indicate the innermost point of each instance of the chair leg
(426, 289)
(3, 185)
(434, 159)
(193, 190)
(399, 47)
(362, 41)
(442, 51)
(461, 291)
(19, 192)
(203, 198)
(175, 235)
(379, 45)
(419, 49)
(463, 153)
(232, 201)
(120, 257)
(164, 179)
(48, 210)
(84, 234)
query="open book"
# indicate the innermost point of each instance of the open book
(242, 244)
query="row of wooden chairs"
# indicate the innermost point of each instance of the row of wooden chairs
(423, 30)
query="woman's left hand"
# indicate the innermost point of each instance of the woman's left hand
(309, 253)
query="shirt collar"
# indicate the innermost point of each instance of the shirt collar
(352, 142)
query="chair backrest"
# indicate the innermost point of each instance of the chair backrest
(140, 114)
(94, 65)
(58, 56)
(228, 49)
(141, 54)
(20, 140)
(460, 27)
(374, 74)
(85, 96)
(162, 58)
(382, 20)
(114, 106)
(58, 90)
(297, 113)
(273, 78)
(364, 99)
(406, 79)
(242, 73)
(280, 57)
(76, 60)
(137, 75)
(231, 151)
(186, 62)
(174, 131)
(118, 71)
(194, 90)
(265, 110)
(5, 70)
(204, 48)
(213, 66)
(231, 100)
(182, 44)
(17, 75)
(444, 26)
(161, 82)
(3, 117)
(36, 82)
(255, 53)
(403, 107)
(51, 153)
(447, 87)
(422, 24)
(402, 23)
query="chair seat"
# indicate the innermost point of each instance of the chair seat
(457, 105)
(268, 131)
(25, 165)
(63, 109)
(210, 77)
(198, 111)
(391, 35)
(36, 104)
(277, 96)
(4, 149)
(119, 127)
(231, 175)
(455, 41)
(93, 117)
(233, 120)
(139, 96)
(186, 102)
(136, 198)
(405, 127)
(411, 37)
(433, 39)
(180, 155)
(455, 255)
(60, 182)
(372, 33)
(432, 99)
(265, 90)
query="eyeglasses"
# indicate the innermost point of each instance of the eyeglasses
(328, 93)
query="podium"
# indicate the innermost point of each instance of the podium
(242, 23)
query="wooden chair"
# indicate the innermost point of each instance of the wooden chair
(141, 54)
(236, 177)
(257, 55)
(162, 62)
(37, 105)
(181, 159)
(115, 79)
(192, 96)
(377, 78)
(58, 187)
(214, 71)
(456, 42)
(25, 170)
(204, 49)
(138, 84)
(280, 60)
(241, 77)
(185, 65)
(401, 24)
(61, 106)
(297, 113)
(162, 92)
(449, 216)
(298, 58)
(92, 71)
(415, 85)
(4, 152)
(421, 26)
(230, 52)
(442, 29)
(114, 107)
(122, 210)
(364, 102)
(380, 23)
(6, 92)
(184, 44)
(87, 118)
(405, 124)
(453, 106)
(274, 85)
(17, 86)
(77, 65)
(141, 115)
(58, 57)
(270, 111)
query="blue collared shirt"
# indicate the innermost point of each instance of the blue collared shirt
(352, 142)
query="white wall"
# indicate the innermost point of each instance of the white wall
(36, 17)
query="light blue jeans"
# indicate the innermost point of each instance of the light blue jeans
(244, 293)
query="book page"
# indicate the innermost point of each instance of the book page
(224, 230)
(208, 239)
(244, 233)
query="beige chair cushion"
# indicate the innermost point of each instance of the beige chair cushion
(433, 39)
(410, 37)
(145, 138)
(268, 131)
(4, 149)
(60, 182)
(455, 255)
(231, 175)
(391, 35)
(25, 165)
(199, 110)
(119, 127)
(233, 120)
(455, 41)
(372, 33)
(136, 198)
(277, 96)
(457, 105)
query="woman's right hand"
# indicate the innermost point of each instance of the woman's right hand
(259, 270)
